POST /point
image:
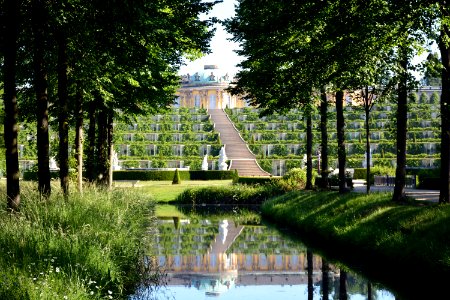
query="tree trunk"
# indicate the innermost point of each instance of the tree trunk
(366, 124)
(309, 143)
(343, 285)
(325, 280)
(369, 291)
(402, 116)
(309, 257)
(324, 138)
(340, 127)
(40, 86)
(10, 101)
(444, 195)
(110, 147)
(90, 150)
(102, 148)
(63, 114)
(79, 136)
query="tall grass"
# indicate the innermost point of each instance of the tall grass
(88, 247)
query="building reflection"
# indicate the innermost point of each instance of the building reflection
(219, 255)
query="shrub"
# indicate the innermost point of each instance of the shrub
(253, 180)
(176, 177)
(295, 179)
(231, 195)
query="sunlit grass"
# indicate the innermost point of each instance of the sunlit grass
(413, 231)
(88, 247)
(165, 191)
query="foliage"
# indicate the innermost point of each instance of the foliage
(294, 179)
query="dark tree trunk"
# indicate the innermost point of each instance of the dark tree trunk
(63, 114)
(309, 143)
(309, 257)
(324, 139)
(367, 108)
(40, 86)
(325, 280)
(90, 150)
(102, 147)
(343, 285)
(402, 116)
(110, 147)
(79, 136)
(444, 196)
(369, 291)
(10, 101)
(340, 127)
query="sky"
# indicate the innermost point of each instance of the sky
(222, 50)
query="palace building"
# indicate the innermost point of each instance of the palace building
(207, 89)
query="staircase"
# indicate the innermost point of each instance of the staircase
(236, 148)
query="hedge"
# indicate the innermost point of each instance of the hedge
(159, 175)
(257, 180)
(33, 175)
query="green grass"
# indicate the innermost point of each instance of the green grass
(88, 247)
(166, 192)
(411, 234)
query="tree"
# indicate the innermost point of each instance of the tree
(39, 18)
(444, 47)
(10, 101)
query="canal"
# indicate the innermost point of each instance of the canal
(236, 256)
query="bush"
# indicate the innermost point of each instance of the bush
(33, 175)
(257, 180)
(232, 195)
(176, 177)
(295, 179)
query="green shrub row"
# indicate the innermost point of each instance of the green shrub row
(229, 195)
(159, 175)
(31, 175)
(253, 180)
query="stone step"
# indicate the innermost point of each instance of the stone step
(242, 159)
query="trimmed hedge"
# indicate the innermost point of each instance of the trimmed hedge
(257, 180)
(230, 195)
(33, 175)
(145, 175)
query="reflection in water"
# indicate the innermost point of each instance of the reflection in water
(325, 279)
(220, 258)
(342, 285)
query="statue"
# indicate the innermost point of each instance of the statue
(197, 77)
(223, 230)
(222, 159)
(212, 77)
(52, 164)
(115, 162)
(205, 163)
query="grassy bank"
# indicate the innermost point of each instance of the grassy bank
(89, 247)
(411, 238)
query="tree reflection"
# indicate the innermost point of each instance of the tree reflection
(343, 285)
(309, 257)
(325, 279)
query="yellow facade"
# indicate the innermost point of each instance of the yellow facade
(207, 89)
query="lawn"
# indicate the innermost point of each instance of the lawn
(166, 192)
